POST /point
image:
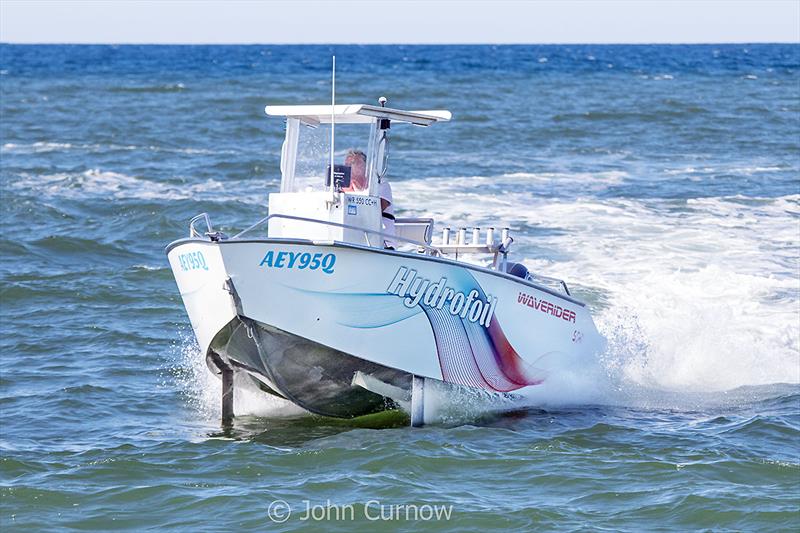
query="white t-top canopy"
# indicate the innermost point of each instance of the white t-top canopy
(356, 114)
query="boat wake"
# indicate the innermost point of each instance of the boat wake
(696, 297)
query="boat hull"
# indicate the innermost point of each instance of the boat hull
(305, 318)
(310, 375)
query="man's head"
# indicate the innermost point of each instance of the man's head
(357, 161)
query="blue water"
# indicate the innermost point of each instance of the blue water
(662, 182)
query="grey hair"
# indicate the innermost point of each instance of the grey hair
(359, 153)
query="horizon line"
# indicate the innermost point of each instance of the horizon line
(565, 43)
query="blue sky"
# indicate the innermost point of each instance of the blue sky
(395, 21)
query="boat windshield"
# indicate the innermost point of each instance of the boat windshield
(308, 169)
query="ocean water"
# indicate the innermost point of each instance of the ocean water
(662, 182)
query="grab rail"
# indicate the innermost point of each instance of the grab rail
(193, 232)
(548, 279)
(433, 250)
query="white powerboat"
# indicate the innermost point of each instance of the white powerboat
(319, 310)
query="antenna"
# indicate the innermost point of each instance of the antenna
(333, 120)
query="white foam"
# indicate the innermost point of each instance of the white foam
(37, 147)
(96, 183)
(702, 295)
(204, 390)
(746, 170)
(476, 199)
(150, 268)
(44, 147)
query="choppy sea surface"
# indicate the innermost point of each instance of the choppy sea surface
(662, 182)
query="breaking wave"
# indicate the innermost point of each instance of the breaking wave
(45, 147)
(97, 183)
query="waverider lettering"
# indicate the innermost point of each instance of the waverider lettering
(546, 307)
(420, 291)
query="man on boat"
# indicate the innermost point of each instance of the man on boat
(357, 161)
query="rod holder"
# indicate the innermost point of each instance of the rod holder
(489, 236)
(504, 235)
(462, 236)
(476, 235)
(446, 236)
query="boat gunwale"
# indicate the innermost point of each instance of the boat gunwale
(340, 244)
